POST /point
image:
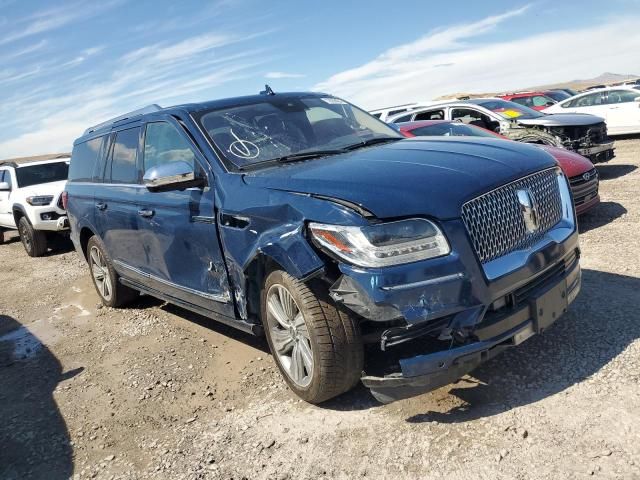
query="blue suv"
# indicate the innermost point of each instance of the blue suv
(361, 255)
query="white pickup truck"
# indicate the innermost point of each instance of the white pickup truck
(31, 202)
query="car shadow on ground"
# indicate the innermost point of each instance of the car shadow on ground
(613, 171)
(34, 440)
(602, 214)
(601, 323)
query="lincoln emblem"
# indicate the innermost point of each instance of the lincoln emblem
(528, 208)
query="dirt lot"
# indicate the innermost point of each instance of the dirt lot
(156, 392)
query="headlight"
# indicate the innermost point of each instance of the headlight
(383, 244)
(39, 200)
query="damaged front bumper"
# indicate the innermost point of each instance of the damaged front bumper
(543, 304)
(495, 306)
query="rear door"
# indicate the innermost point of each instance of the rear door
(178, 230)
(116, 203)
(623, 112)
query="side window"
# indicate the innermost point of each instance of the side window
(473, 117)
(404, 118)
(5, 176)
(540, 101)
(590, 100)
(377, 115)
(526, 101)
(163, 143)
(83, 160)
(622, 96)
(431, 115)
(124, 157)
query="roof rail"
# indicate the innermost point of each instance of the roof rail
(135, 113)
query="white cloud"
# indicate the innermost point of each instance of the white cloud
(52, 115)
(54, 18)
(446, 61)
(283, 75)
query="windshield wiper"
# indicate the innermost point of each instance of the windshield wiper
(293, 157)
(372, 141)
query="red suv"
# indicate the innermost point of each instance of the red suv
(535, 100)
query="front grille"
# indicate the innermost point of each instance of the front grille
(584, 187)
(495, 220)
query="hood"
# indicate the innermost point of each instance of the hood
(572, 163)
(430, 176)
(562, 120)
(51, 188)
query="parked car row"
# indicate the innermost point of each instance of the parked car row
(362, 255)
(583, 134)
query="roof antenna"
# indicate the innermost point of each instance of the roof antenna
(267, 91)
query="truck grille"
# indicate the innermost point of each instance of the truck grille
(495, 220)
(584, 187)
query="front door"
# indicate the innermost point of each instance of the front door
(178, 230)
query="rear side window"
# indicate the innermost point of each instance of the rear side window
(404, 118)
(163, 143)
(83, 160)
(431, 115)
(622, 96)
(124, 158)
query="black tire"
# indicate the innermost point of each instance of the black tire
(2, 236)
(34, 241)
(332, 333)
(118, 294)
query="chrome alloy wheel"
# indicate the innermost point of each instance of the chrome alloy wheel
(289, 335)
(100, 273)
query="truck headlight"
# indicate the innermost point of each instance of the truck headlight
(382, 244)
(39, 200)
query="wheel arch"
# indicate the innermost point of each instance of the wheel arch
(85, 234)
(18, 212)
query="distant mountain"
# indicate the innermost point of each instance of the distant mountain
(606, 78)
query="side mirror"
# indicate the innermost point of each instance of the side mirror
(171, 176)
(4, 187)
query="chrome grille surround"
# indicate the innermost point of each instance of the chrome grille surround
(495, 221)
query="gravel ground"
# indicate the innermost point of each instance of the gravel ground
(153, 391)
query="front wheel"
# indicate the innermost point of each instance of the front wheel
(34, 241)
(317, 346)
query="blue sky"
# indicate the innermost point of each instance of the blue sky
(67, 65)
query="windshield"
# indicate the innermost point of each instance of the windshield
(279, 127)
(44, 173)
(510, 110)
(454, 129)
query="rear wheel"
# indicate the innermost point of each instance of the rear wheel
(34, 241)
(2, 236)
(317, 346)
(105, 279)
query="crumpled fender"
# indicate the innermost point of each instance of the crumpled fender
(275, 230)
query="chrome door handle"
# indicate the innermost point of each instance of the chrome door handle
(146, 213)
(101, 206)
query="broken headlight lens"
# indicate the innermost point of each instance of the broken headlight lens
(382, 244)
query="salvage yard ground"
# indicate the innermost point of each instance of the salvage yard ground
(153, 391)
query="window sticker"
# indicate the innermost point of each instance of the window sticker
(243, 148)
